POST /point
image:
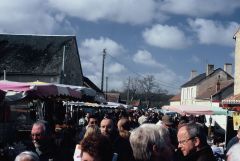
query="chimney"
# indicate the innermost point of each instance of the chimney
(228, 68)
(218, 85)
(193, 74)
(210, 69)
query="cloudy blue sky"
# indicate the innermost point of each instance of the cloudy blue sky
(164, 38)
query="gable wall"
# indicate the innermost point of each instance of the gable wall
(211, 81)
(73, 70)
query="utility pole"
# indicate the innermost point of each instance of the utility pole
(106, 87)
(63, 66)
(104, 55)
(4, 74)
(128, 90)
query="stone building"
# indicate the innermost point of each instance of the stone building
(201, 88)
(53, 59)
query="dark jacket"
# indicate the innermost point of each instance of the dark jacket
(46, 153)
(123, 148)
(233, 141)
(204, 154)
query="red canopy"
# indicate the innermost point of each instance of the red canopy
(38, 89)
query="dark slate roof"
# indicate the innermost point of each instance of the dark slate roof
(228, 84)
(201, 77)
(32, 53)
(195, 80)
(88, 83)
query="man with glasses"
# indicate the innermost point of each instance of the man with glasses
(192, 142)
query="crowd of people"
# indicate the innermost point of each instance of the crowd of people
(125, 136)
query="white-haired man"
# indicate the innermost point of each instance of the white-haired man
(43, 141)
(151, 143)
(27, 156)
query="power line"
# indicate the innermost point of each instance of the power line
(161, 82)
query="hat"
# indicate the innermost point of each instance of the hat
(167, 120)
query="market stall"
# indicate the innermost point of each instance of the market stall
(196, 110)
(30, 101)
(19, 90)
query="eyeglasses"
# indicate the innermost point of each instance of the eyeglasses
(183, 142)
(93, 122)
(36, 135)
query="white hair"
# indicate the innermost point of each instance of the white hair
(233, 153)
(144, 137)
(31, 156)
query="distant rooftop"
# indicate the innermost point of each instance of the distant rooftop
(176, 97)
(200, 77)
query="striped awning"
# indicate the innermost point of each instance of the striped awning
(232, 100)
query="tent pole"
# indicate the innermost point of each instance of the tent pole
(225, 145)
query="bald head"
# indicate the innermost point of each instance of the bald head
(123, 124)
(106, 127)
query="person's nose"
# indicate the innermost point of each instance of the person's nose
(105, 129)
(179, 145)
(34, 137)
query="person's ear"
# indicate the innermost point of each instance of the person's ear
(196, 141)
(155, 149)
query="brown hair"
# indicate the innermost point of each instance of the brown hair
(97, 146)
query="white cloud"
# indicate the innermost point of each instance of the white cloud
(115, 68)
(30, 17)
(95, 47)
(124, 11)
(167, 80)
(213, 32)
(91, 58)
(91, 54)
(164, 76)
(165, 36)
(199, 8)
(115, 81)
(26, 17)
(145, 57)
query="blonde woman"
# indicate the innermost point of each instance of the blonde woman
(91, 130)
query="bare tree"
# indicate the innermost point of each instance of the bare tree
(147, 87)
(132, 86)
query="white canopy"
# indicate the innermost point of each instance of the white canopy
(196, 110)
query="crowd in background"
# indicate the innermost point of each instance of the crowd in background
(122, 135)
